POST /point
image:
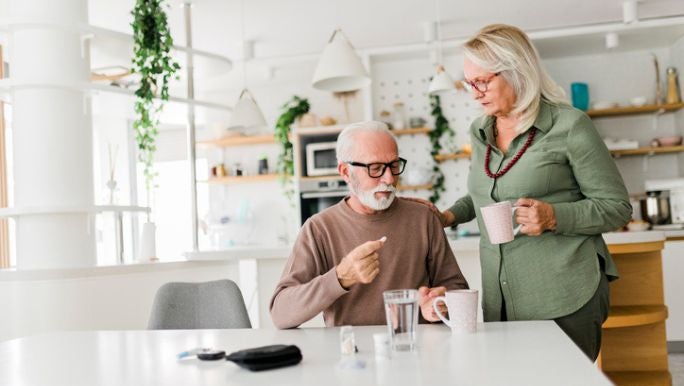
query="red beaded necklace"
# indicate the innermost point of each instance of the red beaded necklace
(515, 159)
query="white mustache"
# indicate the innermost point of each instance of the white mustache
(384, 188)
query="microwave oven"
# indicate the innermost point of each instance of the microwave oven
(321, 159)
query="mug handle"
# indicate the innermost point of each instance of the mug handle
(516, 229)
(438, 312)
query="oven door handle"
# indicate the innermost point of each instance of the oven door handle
(325, 194)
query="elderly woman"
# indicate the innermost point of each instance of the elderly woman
(533, 149)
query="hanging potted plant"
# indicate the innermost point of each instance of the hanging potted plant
(441, 128)
(293, 109)
(152, 43)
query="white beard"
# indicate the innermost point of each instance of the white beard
(367, 197)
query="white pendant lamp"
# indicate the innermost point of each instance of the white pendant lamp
(441, 83)
(340, 68)
(246, 114)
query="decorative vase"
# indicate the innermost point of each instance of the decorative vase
(111, 185)
(148, 250)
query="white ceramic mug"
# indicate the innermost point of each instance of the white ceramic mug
(462, 307)
(498, 219)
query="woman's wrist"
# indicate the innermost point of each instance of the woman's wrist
(448, 218)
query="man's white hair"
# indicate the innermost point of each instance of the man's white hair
(345, 141)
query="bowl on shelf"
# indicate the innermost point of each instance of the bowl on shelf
(638, 101)
(669, 140)
(602, 105)
(638, 226)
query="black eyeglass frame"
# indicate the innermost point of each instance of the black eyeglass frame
(402, 164)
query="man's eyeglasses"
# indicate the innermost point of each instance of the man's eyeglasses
(479, 84)
(377, 169)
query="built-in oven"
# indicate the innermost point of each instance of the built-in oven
(318, 194)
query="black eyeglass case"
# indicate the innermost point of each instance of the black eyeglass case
(266, 357)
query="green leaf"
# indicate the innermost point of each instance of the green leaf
(152, 43)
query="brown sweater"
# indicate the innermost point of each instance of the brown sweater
(415, 254)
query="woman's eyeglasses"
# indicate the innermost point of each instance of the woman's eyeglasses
(480, 85)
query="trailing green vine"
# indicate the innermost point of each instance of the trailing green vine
(293, 109)
(152, 60)
(441, 127)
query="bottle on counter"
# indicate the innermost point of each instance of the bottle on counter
(673, 95)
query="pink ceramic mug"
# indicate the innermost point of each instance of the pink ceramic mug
(498, 219)
(462, 306)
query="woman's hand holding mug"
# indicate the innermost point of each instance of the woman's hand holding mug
(535, 216)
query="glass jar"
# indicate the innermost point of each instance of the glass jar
(347, 341)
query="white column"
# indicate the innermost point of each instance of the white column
(53, 165)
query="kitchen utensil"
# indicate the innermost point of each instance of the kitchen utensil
(655, 208)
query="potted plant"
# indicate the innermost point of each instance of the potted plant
(441, 127)
(293, 109)
(152, 43)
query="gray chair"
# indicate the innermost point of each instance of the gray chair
(213, 304)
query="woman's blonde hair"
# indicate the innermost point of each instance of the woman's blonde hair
(507, 50)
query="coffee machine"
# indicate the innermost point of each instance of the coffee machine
(669, 193)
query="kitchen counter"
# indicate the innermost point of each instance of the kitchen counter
(634, 237)
(243, 252)
(267, 251)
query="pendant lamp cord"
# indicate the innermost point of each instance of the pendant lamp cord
(244, 48)
(439, 33)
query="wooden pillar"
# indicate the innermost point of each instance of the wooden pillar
(4, 233)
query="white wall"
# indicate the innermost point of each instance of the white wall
(618, 77)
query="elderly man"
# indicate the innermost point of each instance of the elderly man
(370, 242)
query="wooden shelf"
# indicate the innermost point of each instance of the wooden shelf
(630, 316)
(615, 153)
(414, 187)
(618, 111)
(242, 179)
(318, 130)
(239, 140)
(648, 150)
(640, 378)
(322, 178)
(452, 156)
(634, 342)
(413, 130)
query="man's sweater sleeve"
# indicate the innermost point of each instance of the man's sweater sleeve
(307, 286)
(441, 263)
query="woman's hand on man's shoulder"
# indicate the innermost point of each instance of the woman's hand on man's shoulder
(443, 217)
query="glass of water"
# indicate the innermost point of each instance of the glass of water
(401, 309)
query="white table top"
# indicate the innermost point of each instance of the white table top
(511, 353)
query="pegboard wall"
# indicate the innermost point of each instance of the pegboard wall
(407, 81)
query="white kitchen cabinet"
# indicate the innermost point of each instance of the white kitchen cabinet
(673, 268)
